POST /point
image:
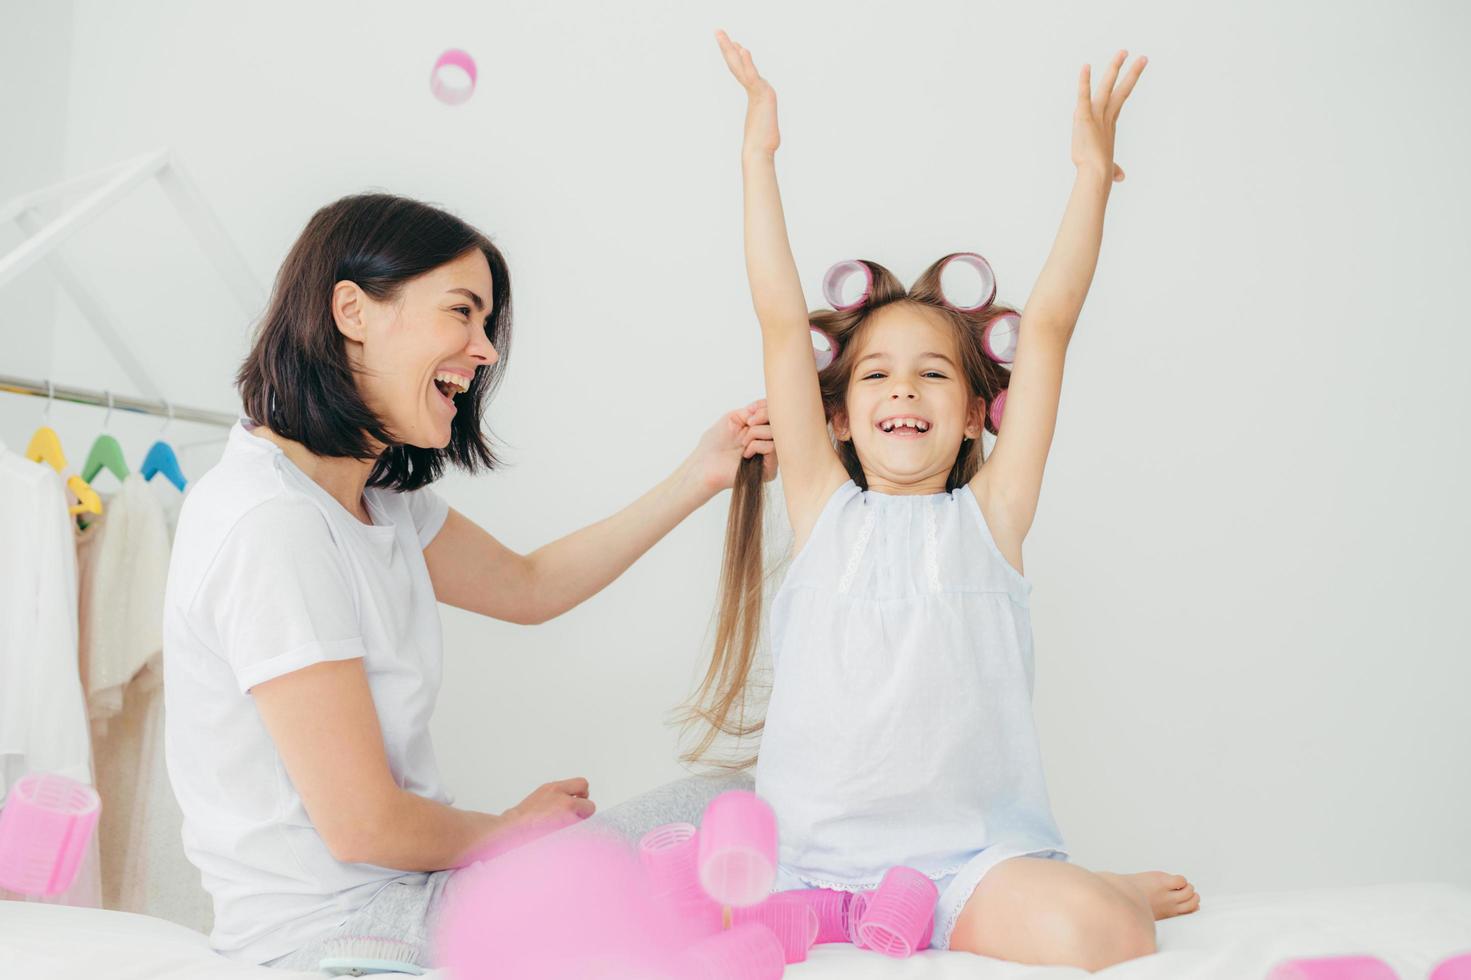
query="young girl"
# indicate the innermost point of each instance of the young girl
(899, 729)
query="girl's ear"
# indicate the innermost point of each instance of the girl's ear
(975, 418)
(349, 310)
(840, 426)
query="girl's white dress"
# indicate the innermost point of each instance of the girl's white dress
(899, 729)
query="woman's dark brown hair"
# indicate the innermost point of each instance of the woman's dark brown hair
(719, 705)
(297, 379)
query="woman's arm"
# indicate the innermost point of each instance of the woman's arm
(1009, 483)
(472, 570)
(326, 729)
(812, 467)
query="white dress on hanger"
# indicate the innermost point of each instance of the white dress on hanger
(43, 714)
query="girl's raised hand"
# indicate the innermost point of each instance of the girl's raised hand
(761, 132)
(1097, 115)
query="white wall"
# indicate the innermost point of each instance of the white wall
(33, 111)
(1249, 559)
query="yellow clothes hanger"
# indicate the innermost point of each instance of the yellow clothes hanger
(45, 444)
(45, 447)
(87, 499)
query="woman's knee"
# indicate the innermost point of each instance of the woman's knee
(680, 801)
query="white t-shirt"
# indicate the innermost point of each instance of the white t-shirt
(270, 574)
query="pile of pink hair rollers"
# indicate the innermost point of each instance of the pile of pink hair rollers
(692, 904)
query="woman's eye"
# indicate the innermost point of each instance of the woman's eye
(466, 309)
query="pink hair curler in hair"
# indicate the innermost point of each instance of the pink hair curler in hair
(45, 827)
(737, 852)
(987, 282)
(790, 918)
(998, 340)
(900, 913)
(1455, 968)
(452, 79)
(1334, 968)
(670, 854)
(748, 951)
(831, 908)
(997, 410)
(837, 277)
(824, 347)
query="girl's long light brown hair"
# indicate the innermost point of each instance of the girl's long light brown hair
(719, 705)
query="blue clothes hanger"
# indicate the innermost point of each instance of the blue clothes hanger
(161, 458)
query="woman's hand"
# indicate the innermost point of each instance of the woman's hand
(1097, 115)
(737, 435)
(761, 132)
(550, 807)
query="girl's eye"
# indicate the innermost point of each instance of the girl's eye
(870, 377)
(934, 374)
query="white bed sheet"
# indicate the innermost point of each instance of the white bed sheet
(1410, 926)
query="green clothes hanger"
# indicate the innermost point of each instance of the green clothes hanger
(105, 452)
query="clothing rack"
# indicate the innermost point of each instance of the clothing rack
(44, 240)
(87, 396)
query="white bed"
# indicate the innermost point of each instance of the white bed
(1410, 926)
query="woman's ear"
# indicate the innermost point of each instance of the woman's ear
(349, 310)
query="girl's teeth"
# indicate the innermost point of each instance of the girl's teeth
(914, 424)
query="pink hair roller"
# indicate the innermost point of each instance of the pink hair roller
(670, 855)
(1334, 968)
(565, 906)
(857, 907)
(983, 270)
(824, 348)
(999, 338)
(998, 409)
(1455, 968)
(831, 909)
(737, 851)
(445, 80)
(695, 917)
(45, 827)
(749, 951)
(792, 920)
(837, 277)
(900, 913)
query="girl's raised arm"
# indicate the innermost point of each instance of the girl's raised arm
(1011, 480)
(810, 464)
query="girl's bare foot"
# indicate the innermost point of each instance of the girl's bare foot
(1164, 895)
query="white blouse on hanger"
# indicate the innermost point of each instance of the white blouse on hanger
(43, 717)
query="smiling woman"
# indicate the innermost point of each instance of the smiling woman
(302, 645)
(380, 294)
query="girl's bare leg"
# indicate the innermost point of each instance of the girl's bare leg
(1045, 912)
